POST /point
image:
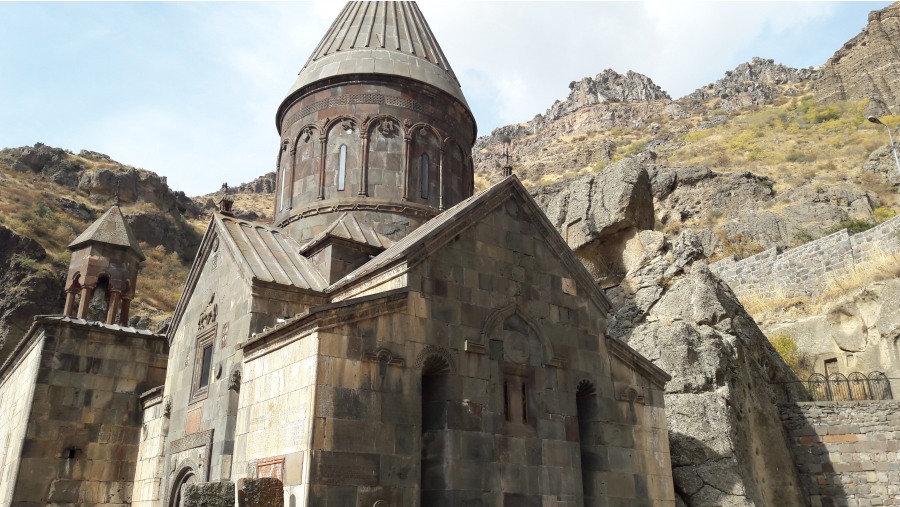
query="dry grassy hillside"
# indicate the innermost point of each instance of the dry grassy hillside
(56, 197)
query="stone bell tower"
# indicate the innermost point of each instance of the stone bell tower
(105, 257)
(375, 125)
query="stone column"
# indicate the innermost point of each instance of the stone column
(70, 302)
(114, 296)
(123, 313)
(290, 181)
(441, 180)
(364, 163)
(86, 294)
(407, 141)
(323, 141)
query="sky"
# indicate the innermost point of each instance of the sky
(189, 90)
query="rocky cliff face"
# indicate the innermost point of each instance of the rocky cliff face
(745, 177)
(867, 66)
(611, 205)
(48, 196)
(25, 288)
(727, 444)
(265, 184)
(100, 180)
(748, 213)
(756, 82)
(860, 329)
(608, 86)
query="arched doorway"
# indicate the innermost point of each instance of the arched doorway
(185, 476)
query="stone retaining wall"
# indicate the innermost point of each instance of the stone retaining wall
(846, 453)
(803, 270)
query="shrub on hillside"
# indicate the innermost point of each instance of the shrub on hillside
(799, 362)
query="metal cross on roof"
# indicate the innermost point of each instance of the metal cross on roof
(507, 169)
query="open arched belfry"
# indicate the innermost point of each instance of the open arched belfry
(104, 269)
(391, 339)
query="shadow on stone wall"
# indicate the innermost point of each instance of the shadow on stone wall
(845, 452)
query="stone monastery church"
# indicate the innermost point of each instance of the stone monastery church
(390, 340)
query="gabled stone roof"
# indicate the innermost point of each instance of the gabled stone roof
(348, 227)
(389, 38)
(111, 229)
(269, 255)
(427, 238)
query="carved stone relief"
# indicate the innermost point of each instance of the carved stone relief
(209, 314)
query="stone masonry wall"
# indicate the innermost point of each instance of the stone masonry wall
(16, 395)
(148, 469)
(847, 453)
(803, 270)
(84, 426)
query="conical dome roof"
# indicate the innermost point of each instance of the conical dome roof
(390, 38)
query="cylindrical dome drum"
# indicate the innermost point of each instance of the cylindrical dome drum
(375, 125)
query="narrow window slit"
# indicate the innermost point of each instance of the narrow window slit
(506, 400)
(424, 178)
(524, 403)
(342, 167)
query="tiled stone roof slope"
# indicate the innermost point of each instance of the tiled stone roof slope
(111, 229)
(269, 254)
(348, 227)
(463, 215)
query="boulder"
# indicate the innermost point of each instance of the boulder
(208, 494)
(262, 492)
(727, 444)
(881, 161)
(598, 213)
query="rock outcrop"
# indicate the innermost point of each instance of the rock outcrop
(99, 176)
(747, 211)
(25, 289)
(265, 184)
(756, 82)
(727, 444)
(882, 161)
(860, 329)
(595, 212)
(608, 86)
(867, 66)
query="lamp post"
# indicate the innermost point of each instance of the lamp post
(891, 137)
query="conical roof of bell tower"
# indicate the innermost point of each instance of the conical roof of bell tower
(390, 38)
(112, 229)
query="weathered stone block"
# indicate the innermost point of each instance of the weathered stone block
(208, 494)
(262, 492)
